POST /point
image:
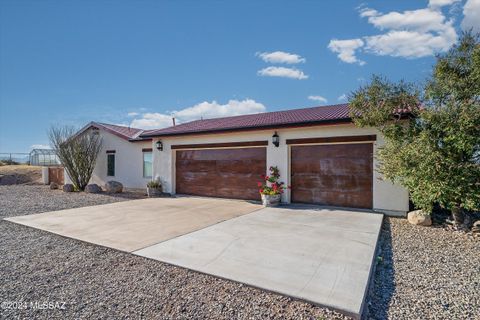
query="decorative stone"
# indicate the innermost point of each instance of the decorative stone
(154, 192)
(476, 227)
(68, 187)
(113, 187)
(419, 217)
(93, 188)
(53, 185)
(271, 201)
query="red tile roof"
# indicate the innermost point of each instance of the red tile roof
(121, 131)
(289, 118)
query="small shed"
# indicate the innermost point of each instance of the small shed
(44, 157)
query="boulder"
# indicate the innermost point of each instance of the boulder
(476, 227)
(419, 217)
(113, 187)
(68, 187)
(53, 186)
(93, 188)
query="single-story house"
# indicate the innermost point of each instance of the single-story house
(320, 153)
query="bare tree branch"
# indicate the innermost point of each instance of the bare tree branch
(77, 153)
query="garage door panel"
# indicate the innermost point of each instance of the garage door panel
(331, 184)
(339, 166)
(333, 150)
(338, 175)
(239, 166)
(227, 192)
(346, 199)
(196, 166)
(229, 173)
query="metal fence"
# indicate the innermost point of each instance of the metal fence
(37, 157)
(23, 158)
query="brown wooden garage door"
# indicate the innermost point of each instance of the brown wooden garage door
(336, 175)
(226, 173)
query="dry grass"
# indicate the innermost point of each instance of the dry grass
(19, 174)
(19, 169)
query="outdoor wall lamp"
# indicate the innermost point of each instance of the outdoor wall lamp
(159, 145)
(276, 139)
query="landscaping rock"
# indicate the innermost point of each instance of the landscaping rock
(113, 187)
(68, 187)
(93, 188)
(419, 217)
(53, 185)
(476, 227)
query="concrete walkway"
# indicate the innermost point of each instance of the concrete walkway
(132, 225)
(319, 255)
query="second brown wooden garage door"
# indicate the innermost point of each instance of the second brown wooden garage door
(226, 173)
(336, 175)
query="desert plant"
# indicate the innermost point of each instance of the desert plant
(77, 153)
(154, 184)
(432, 135)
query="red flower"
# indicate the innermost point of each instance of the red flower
(259, 184)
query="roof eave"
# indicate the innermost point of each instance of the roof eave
(265, 127)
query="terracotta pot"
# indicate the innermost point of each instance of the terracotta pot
(154, 192)
(271, 201)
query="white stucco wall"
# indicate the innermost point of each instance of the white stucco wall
(128, 162)
(386, 196)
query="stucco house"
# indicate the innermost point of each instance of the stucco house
(321, 154)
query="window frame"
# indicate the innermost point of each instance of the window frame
(144, 152)
(110, 155)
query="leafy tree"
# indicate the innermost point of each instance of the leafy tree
(77, 152)
(432, 134)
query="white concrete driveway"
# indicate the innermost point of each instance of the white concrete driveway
(319, 255)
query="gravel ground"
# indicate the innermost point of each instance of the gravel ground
(16, 200)
(425, 273)
(95, 282)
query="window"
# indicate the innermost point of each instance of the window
(111, 165)
(147, 164)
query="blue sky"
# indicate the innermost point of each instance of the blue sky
(137, 62)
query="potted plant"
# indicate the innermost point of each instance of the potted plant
(271, 189)
(154, 189)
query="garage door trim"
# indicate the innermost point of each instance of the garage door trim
(327, 140)
(221, 145)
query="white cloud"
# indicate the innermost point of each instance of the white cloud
(204, 110)
(318, 98)
(152, 120)
(40, 146)
(346, 49)
(132, 114)
(419, 20)
(410, 44)
(343, 97)
(471, 12)
(441, 3)
(282, 72)
(280, 57)
(408, 34)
